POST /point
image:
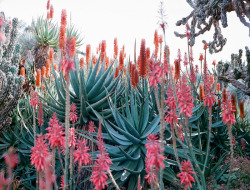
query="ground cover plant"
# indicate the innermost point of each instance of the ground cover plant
(83, 120)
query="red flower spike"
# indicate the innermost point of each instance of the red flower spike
(142, 71)
(115, 48)
(40, 114)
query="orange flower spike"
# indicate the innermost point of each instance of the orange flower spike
(121, 60)
(116, 72)
(219, 103)
(55, 66)
(48, 68)
(88, 53)
(177, 70)
(212, 79)
(43, 86)
(51, 11)
(241, 106)
(48, 15)
(205, 46)
(72, 47)
(62, 37)
(218, 87)
(51, 54)
(43, 71)
(148, 54)
(38, 78)
(143, 59)
(201, 57)
(103, 49)
(10, 23)
(201, 92)
(22, 71)
(106, 63)
(82, 63)
(214, 63)
(156, 42)
(94, 60)
(233, 101)
(115, 48)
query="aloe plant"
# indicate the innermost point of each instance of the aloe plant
(46, 35)
(87, 90)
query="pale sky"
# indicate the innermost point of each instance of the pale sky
(129, 20)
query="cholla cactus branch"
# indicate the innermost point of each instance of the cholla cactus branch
(209, 12)
(10, 83)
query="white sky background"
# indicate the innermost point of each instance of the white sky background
(129, 20)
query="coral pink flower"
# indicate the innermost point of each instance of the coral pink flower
(185, 98)
(155, 73)
(72, 137)
(185, 176)
(3, 181)
(71, 46)
(102, 164)
(11, 159)
(171, 116)
(39, 153)
(34, 99)
(180, 131)
(154, 159)
(91, 127)
(73, 113)
(81, 153)
(185, 59)
(228, 112)
(55, 133)
(99, 177)
(192, 74)
(40, 114)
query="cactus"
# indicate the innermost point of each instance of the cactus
(10, 83)
(236, 72)
(208, 13)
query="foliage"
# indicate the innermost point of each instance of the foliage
(89, 91)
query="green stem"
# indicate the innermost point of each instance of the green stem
(209, 139)
(231, 154)
(67, 110)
